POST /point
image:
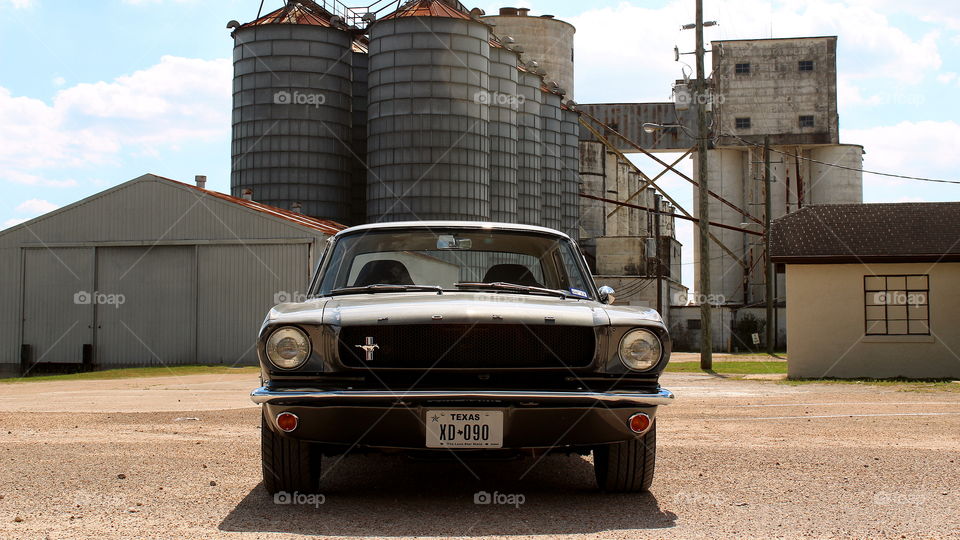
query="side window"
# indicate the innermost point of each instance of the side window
(896, 305)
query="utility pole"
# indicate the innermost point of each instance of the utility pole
(768, 264)
(700, 99)
(656, 237)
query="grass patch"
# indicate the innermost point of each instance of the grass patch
(128, 373)
(905, 385)
(733, 368)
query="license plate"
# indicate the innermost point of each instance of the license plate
(464, 429)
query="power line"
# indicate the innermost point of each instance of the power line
(891, 175)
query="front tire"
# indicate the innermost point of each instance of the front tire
(289, 465)
(626, 467)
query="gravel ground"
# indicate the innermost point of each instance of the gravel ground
(179, 457)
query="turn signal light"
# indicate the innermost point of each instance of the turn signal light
(287, 421)
(639, 423)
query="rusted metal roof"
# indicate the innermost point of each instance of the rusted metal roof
(428, 8)
(325, 226)
(291, 14)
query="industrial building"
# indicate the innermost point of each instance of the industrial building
(136, 276)
(780, 92)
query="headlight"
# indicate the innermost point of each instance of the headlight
(288, 347)
(640, 349)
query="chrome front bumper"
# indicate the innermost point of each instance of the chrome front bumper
(264, 395)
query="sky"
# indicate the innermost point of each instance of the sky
(93, 94)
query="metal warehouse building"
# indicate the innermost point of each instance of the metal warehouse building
(150, 272)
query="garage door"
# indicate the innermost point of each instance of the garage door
(57, 303)
(153, 321)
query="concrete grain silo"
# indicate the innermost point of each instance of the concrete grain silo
(504, 106)
(291, 112)
(428, 145)
(551, 168)
(529, 150)
(835, 171)
(546, 40)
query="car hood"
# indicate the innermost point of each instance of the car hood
(460, 307)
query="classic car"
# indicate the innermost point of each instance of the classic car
(482, 339)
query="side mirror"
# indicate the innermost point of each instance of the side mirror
(606, 294)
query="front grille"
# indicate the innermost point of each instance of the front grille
(464, 346)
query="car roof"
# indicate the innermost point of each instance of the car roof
(453, 224)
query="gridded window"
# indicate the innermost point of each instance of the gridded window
(741, 123)
(806, 121)
(693, 324)
(897, 305)
(742, 69)
(806, 65)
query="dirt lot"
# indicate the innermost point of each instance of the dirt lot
(179, 457)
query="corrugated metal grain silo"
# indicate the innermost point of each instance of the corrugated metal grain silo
(504, 105)
(428, 146)
(570, 186)
(360, 63)
(552, 163)
(291, 112)
(529, 150)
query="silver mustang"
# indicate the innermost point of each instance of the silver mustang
(475, 338)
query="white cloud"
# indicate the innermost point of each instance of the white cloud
(947, 77)
(630, 47)
(36, 207)
(13, 221)
(925, 149)
(175, 102)
(17, 4)
(59, 81)
(20, 177)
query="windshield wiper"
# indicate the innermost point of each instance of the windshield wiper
(383, 287)
(513, 287)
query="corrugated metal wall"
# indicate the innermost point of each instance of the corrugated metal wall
(552, 162)
(529, 151)
(428, 145)
(570, 187)
(292, 117)
(229, 312)
(504, 104)
(184, 300)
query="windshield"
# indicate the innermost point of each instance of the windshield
(453, 259)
